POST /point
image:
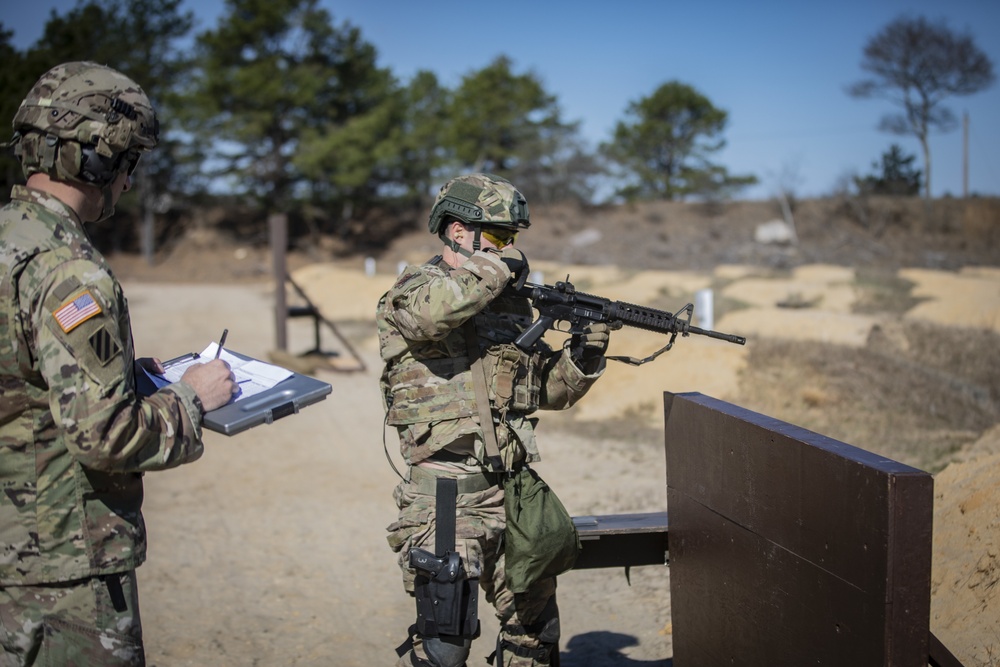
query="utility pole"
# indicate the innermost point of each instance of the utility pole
(277, 224)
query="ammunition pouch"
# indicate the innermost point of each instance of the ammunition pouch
(447, 601)
(513, 379)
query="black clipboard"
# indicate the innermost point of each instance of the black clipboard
(285, 398)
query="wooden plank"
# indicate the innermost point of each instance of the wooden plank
(622, 540)
(788, 547)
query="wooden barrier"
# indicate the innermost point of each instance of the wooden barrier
(790, 548)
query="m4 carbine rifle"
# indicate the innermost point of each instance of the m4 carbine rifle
(562, 303)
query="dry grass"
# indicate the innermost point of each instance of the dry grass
(916, 394)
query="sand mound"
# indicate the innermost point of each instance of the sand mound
(965, 597)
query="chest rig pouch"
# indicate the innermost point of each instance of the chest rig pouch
(513, 376)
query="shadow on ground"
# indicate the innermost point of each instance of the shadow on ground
(604, 649)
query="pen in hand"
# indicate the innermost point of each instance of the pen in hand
(222, 341)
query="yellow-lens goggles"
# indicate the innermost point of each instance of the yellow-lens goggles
(501, 238)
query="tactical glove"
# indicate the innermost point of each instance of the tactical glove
(517, 263)
(588, 347)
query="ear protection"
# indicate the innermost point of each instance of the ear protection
(99, 169)
(69, 160)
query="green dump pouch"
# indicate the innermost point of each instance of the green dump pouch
(540, 538)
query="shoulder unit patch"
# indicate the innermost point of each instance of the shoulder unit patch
(104, 346)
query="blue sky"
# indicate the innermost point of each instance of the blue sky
(778, 68)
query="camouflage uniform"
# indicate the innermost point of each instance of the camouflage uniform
(430, 400)
(74, 442)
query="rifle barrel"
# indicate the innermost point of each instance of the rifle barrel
(731, 338)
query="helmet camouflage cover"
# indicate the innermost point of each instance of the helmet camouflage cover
(77, 105)
(481, 200)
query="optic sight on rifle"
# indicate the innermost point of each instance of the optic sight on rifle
(562, 303)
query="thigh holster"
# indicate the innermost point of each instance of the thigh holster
(447, 600)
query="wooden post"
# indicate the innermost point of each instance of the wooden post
(278, 226)
(965, 155)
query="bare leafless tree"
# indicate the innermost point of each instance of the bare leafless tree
(917, 65)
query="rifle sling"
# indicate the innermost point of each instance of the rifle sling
(482, 397)
(632, 361)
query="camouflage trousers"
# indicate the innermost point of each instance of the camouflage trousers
(479, 526)
(85, 623)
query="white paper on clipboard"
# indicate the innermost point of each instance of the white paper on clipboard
(267, 392)
(252, 375)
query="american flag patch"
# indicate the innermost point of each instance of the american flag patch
(77, 311)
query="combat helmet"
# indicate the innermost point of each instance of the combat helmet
(480, 200)
(85, 123)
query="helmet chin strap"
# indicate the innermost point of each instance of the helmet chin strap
(107, 206)
(455, 247)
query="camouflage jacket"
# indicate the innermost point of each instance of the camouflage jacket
(74, 437)
(427, 378)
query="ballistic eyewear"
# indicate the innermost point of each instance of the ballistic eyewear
(500, 237)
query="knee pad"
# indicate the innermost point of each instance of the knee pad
(446, 651)
(546, 631)
(550, 632)
(545, 626)
(549, 620)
